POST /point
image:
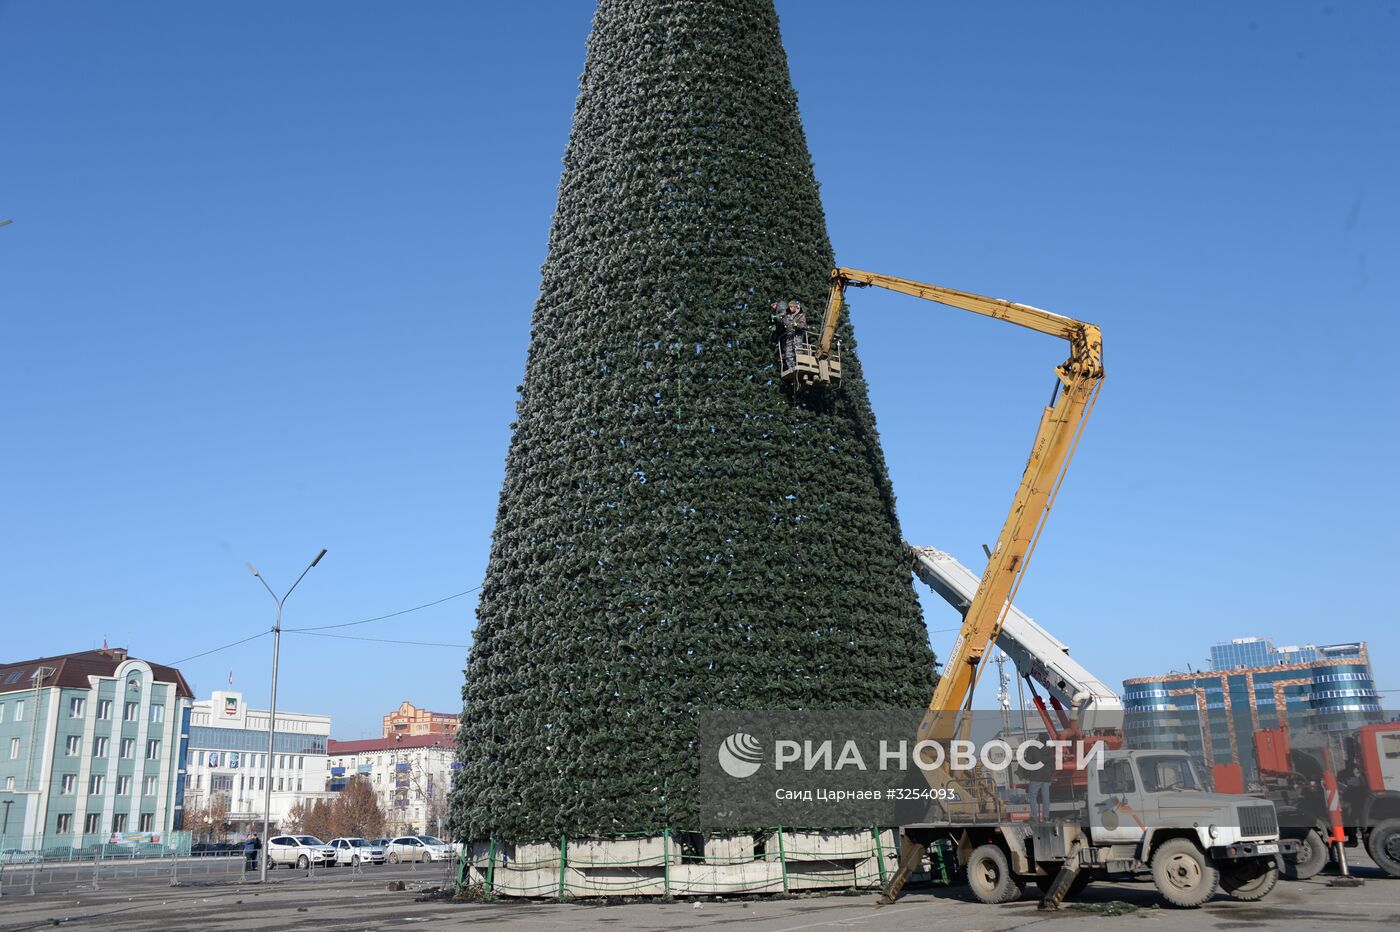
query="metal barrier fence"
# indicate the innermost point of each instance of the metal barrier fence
(26, 873)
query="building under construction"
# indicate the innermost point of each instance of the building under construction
(1252, 686)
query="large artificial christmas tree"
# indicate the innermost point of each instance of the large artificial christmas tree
(678, 529)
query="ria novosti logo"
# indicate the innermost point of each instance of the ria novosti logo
(740, 755)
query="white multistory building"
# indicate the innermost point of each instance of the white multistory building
(228, 756)
(411, 777)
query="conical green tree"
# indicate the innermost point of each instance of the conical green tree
(677, 530)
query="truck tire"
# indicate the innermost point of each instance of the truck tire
(1310, 859)
(1383, 844)
(989, 876)
(1251, 880)
(1183, 874)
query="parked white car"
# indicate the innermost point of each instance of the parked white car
(446, 851)
(353, 851)
(298, 851)
(414, 848)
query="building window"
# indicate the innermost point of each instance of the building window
(301, 763)
(68, 784)
(118, 822)
(14, 749)
(262, 783)
(9, 783)
(65, 823)
(199, 781)
(201, 758)
(129, 714)
(152, 750)
(220, 783)
(279, 784)
(76, 707)
(147, 820)
(99, 747)
(90, 822)
(96, 782)
(124, 786)
(2, 711)
(298, 784)
(157, 713)
(104, 709)
(19, 710)
(128, 748)
(73, 746)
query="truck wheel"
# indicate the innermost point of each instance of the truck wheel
(1183, 874)
(1249, 881)
(1383, 843)
(990, 877)
(1310, 859)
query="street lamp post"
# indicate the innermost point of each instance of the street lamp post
(272, 713)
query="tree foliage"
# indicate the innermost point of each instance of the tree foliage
(354, 812)
(677, 529)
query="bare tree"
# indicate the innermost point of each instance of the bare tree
(357, 811)
(208, 818)
(319, 821)
(295, 821)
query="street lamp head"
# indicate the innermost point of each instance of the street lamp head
(319, 556)
(251, 569)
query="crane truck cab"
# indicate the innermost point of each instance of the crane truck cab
(1142, 813)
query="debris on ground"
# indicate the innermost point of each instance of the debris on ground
(1111, 908)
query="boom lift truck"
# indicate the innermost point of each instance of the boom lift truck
(1143, 811)
(1321, 810)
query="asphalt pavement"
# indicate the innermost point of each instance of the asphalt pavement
(340, 899)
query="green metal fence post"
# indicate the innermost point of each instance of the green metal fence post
(491, 867)
(879, 855)
(563, 860)
(782, 858)
(666, 859)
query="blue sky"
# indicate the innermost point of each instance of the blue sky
(269, 283)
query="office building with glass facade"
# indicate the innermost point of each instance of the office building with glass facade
(228, 759)
(1253, 686)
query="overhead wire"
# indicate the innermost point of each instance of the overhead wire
(353, 637)
(365, 621)
(347, 624)
(217, 649)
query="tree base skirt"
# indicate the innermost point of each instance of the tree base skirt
(778, 861)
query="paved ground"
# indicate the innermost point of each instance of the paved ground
(339, 900)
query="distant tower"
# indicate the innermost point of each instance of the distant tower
(676, 530)
(1003, 692)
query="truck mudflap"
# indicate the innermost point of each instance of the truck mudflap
(1254, 849)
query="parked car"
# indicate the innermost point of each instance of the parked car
(447, 850)
(356, 851)
(413, 848)
(298, 851)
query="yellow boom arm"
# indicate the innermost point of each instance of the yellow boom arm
(1060, 425)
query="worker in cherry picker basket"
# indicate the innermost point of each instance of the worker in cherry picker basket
(792, 329)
